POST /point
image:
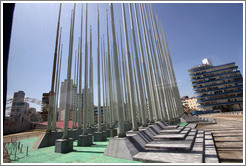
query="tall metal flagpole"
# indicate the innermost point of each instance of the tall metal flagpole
(51, 93)
(86, 78)
(152, 76)
(147, 71)
(101, 73)
(121, 130)
(91, 88)
(59, 75)
(120, 77)
(129, 74)
(98, 75)
(153, 62)
(56, 82)
(114, 93)
(113, 78)
(75, 86)
(165, 64)
(107, 94)
(124, 79)
(137, 106)
(146, 80)
(65, 130)
(80, 74)
(105, 116)
(109, 80)
(139, 78)
(171, 86)
(164, 72)
(77, 89)
(179, 105)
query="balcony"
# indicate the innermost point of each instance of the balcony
(202, 96)
(225, 103)
(231, 87)
(208, 67)
(214, 80)
(233, 82)
(233, 97)
(215, 75)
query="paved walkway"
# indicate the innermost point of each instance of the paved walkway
(228, 136)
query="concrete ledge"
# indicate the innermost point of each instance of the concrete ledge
(64, 145)
(105, 134)
(121, 148)
(50, 138)
(84, 140)
(161, 125)
(170, 146)
(99, 136)
(165, 157)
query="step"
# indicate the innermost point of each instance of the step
(171, 127)
(198, 143)
(180, 136)
(190, 137)
(192, 125)
(161, 124)
(174, 146)
(210, 155)
(195, 155)
(172, 131)
(166, 157)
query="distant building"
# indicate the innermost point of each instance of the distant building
(190, 103)
(45, 106)
(19, 110)
(96, 113)
(21, 116)
(217, 87)
(63, 101)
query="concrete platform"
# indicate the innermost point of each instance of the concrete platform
(99, 136)
(227, 134)
(155, 128)
(121, 148)
(171, 127)
(64, 145)
(180, 145)
(84, 140)
(49, 138)
(170, 136)
(177, 146)
(210, 153)
(172, 131)
(180, 136)
(192, 125)
(165, 157)
(161, 124)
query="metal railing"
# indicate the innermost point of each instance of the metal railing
(15, 147)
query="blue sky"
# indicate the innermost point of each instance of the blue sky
(194, 31)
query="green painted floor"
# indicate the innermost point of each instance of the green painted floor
(92, 154)
(24, 153)
(183, 124)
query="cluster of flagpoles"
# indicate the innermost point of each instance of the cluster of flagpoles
(136, 82)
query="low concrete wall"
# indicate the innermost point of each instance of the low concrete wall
(11, 127)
